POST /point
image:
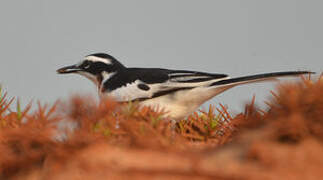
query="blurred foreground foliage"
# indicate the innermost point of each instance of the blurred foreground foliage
(81, 139)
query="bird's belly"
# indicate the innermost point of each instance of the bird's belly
(173, 110)
(175, 106)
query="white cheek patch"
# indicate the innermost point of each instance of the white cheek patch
(98, 59)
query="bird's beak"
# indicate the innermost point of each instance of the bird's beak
(68, 69)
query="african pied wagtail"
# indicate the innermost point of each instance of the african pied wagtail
(177, 92)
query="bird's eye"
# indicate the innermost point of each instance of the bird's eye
(86, 64)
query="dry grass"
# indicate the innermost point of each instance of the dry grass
(117, 141)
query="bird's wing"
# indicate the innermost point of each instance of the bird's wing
(193, 78)
(149, 83)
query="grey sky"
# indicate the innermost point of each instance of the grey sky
(234, 37)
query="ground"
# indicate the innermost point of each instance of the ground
(114, 141)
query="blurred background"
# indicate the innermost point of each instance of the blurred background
(237, 37)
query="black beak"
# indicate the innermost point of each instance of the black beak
(68, 69)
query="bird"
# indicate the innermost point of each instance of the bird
(178, 93)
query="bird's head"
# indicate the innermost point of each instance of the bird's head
(96, 67)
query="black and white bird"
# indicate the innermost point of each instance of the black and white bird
(177, 92)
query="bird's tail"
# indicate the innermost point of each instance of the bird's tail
(257, 78)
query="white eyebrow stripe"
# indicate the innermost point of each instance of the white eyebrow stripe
(98, 59)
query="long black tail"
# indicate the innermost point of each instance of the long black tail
(259, 77)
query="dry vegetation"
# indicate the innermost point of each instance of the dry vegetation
(113, 141)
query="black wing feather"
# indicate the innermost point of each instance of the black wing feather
(182, 76)
(157, 75)
(130, 75)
